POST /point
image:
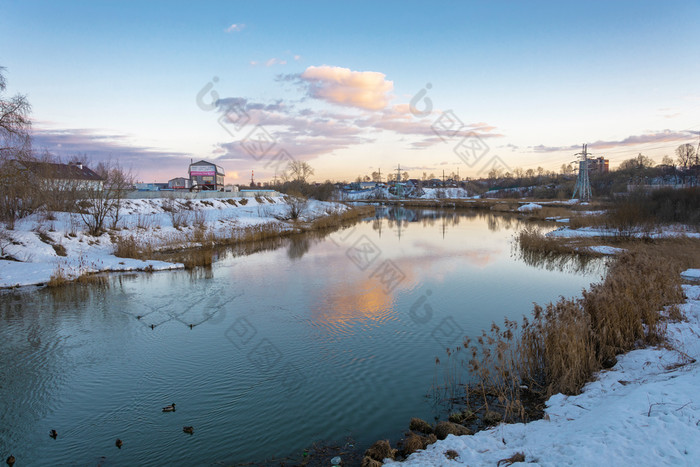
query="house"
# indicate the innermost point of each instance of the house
(598, 165)
(179, 183)
(368, 185)
(206, 176)
(63, 177)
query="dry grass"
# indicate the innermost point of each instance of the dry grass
(561, 346)
(131, 247)
(58, 278)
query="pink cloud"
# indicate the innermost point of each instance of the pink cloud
(364, 89)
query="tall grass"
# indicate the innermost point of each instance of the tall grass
(663, 206)
(562, 344)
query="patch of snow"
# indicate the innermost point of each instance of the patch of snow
(691, 274)
(529, 207)
(606, 250)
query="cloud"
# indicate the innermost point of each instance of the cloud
(665, 136)
(235, 27)
(103, 147)
(275, 61)
(342, 86)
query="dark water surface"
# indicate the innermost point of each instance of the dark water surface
(319, 338)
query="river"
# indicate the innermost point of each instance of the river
(315, 337)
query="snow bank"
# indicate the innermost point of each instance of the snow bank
(42, 246)
(645, 411)
(606, 250)
(691, 274)
(664, 232)
(446, 193)
(529, 207)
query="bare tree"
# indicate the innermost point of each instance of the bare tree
(686, 155)
(15, 147)
(300, 170)
(14, 119)
(668, 161)
(103, 199)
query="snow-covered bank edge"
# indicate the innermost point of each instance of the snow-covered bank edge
(41, 246)
(643, 411)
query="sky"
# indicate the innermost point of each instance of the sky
(354, 87)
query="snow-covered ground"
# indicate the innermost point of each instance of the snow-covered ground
(428, 193)
(529, 207)
(664, 232)
(35, 242)
(645, 411)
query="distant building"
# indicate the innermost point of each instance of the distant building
(368, 185)
(206, 176)
(64, 176)
(179, 183)
(598, 165)
(152, 186)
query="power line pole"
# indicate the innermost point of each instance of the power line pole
(583, 182)
(399, 187)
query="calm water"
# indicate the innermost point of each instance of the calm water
(316, 339)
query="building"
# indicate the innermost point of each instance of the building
(368, 185)
(62, 177)
(152, 186)
(206, 176)
(598, 165)
(179, 183)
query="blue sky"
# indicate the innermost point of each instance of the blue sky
(330, 83)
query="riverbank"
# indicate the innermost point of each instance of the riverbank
(54, 247)
(574, 351)
(642, 411)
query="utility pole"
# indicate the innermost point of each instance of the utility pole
(399, 187)
(583, 182)
(252, 178)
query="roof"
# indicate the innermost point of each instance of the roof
(218, 169)
(62, 171)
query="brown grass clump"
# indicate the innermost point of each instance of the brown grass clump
(420, 426)
(380, 450)
(59, 249)
(531, 239)
(130, 247)
(58, 278)
(411, 444)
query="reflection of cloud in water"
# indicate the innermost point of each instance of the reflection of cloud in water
(480, 257)
(348, 305)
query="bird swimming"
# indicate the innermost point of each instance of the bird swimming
(53, 434)
(188, 429)
(169, 408)
(118, 443)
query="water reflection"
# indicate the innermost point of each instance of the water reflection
(97, 361)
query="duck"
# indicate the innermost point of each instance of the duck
(53, 434)
(11, 461)
(153, 326)
(118, 443)
(169, 408)
(188, 429)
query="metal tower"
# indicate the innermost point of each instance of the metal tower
(583, 183)
(399, 186)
